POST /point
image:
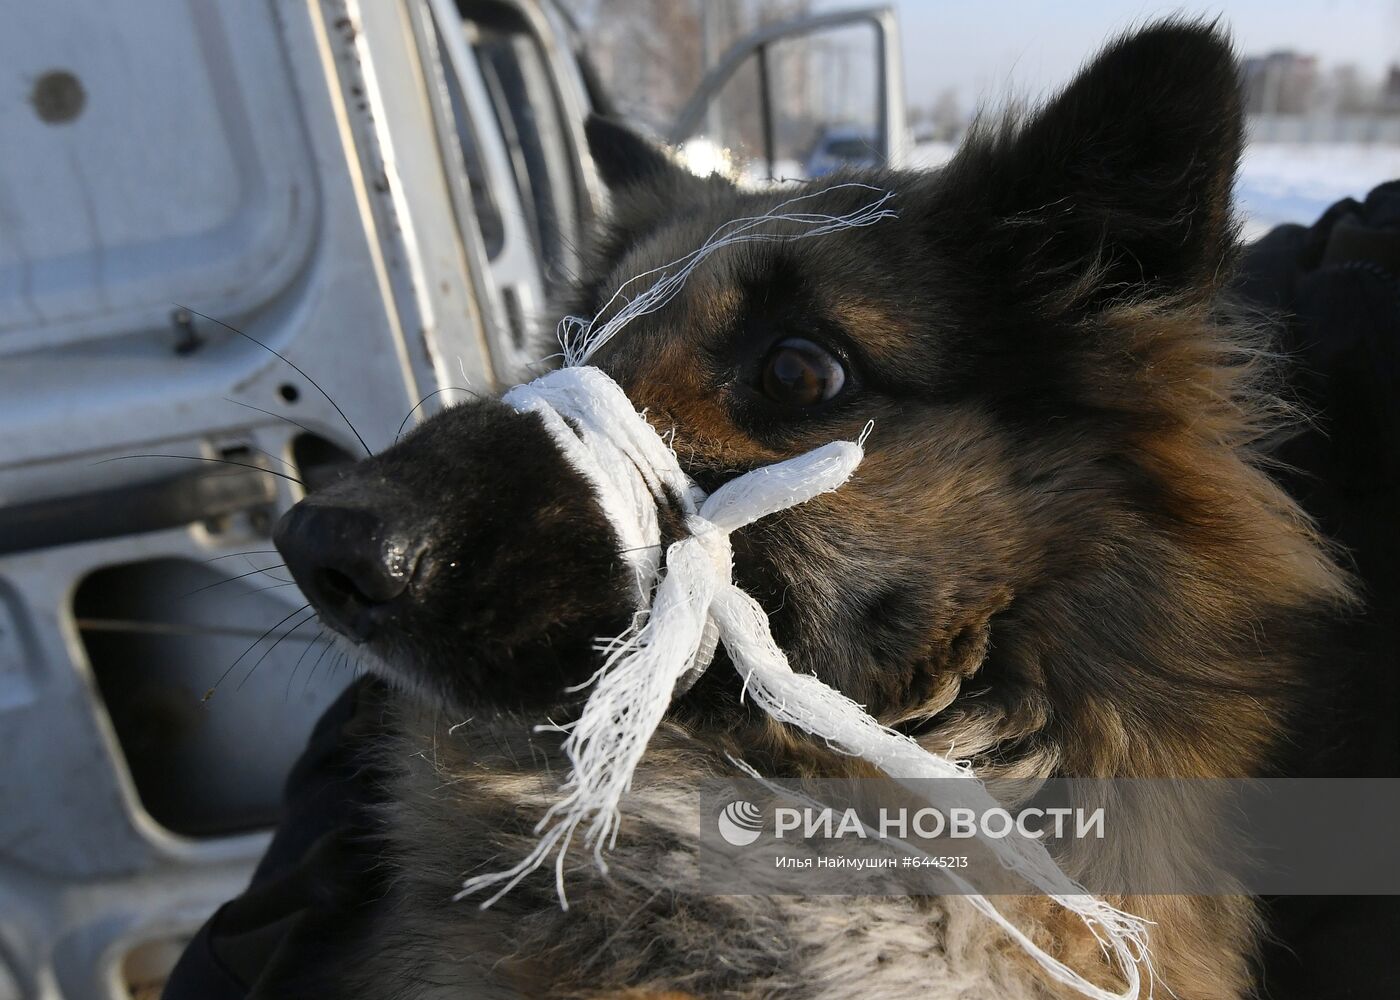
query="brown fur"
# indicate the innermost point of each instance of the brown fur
(1062, 555)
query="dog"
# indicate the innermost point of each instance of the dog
(1063, 554)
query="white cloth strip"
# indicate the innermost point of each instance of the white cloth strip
(582, 338)
(691, 600)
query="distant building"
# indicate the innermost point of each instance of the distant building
(1390, 91)
(1282, 82)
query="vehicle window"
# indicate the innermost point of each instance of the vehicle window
(529, 118)
(1322, 83)
(488, 213)
(851, 149)
(531, 122)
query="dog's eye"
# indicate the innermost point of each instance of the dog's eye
(798, 372)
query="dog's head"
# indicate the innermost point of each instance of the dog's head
(1059, 548)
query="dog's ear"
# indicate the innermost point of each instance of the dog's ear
(628, 162)
(648, 187)
(625, 159)
(1120, 185)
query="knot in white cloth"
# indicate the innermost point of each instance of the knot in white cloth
(715, 541)
(633, 473)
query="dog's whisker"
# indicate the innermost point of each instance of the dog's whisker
(235, 555)
(156, 628)
(270, 586)
(329, 645)
(264, 635)
(204, 458)
(270, 413)
(231, 579)
(291, 364)
(268, 652)
(297, 665)
(436, 392)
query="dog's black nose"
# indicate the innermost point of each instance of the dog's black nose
(350, 563)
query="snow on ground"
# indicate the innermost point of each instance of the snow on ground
(1295, 182)
(1278, 182)
(927, 155)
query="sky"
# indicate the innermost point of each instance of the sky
(996, 48)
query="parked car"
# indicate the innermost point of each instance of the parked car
(848, 147)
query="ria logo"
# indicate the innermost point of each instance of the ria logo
(740, 823)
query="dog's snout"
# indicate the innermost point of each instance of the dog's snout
(352, 564)
(470, 558)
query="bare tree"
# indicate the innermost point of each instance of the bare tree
(652, 55)
(647, 52)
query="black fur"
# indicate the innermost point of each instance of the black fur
(1123, 179)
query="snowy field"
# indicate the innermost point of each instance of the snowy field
(1285, 182)
(1278, 182)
